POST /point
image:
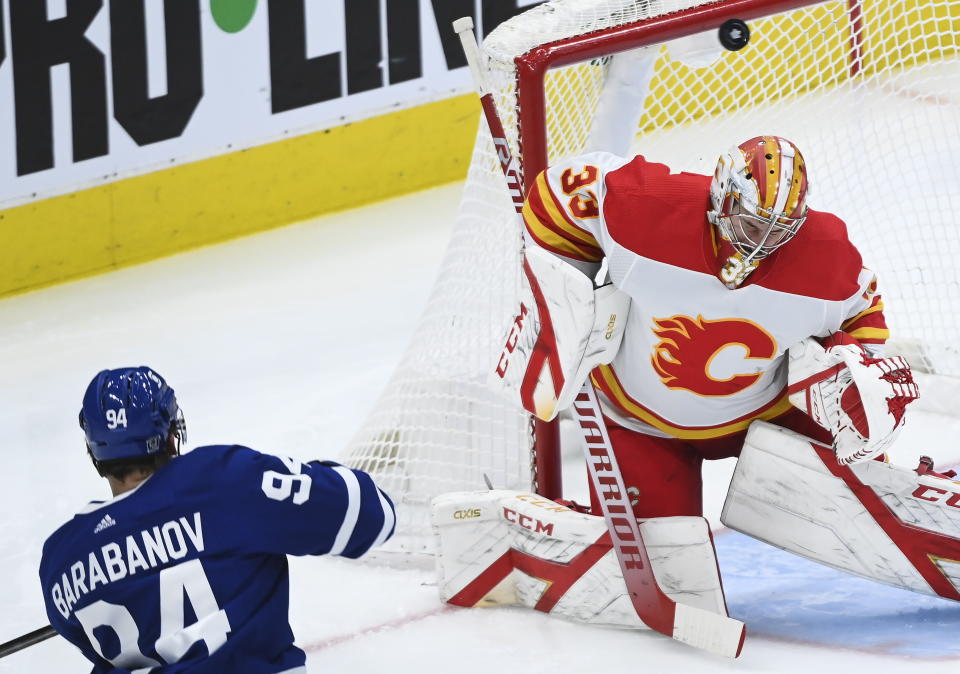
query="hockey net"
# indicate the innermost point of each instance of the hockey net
(868, 89)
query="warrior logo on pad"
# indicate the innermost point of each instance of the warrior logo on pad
(684, 356)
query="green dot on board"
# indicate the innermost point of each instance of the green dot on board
(232, 16)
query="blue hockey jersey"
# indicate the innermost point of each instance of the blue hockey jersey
(188, 572)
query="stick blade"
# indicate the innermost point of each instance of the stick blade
(709, 631)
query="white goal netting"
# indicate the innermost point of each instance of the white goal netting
(870, 92)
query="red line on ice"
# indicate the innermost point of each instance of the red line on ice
(390, 624)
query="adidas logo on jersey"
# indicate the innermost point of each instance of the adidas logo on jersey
(107, 521)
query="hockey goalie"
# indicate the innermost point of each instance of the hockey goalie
(738, 321)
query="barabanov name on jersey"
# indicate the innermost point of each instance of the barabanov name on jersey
(136, 553)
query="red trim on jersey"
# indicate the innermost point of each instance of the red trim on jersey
(920, 546)
(875, 309)
(871, 340)
(875, 320)
(563, 253)
(667, 426)
(662, 216)
(583, 250)
(544, 219)
(559, 206)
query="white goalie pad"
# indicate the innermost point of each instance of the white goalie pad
(859, 399)
(500, 547)
(562, 330)
(873, 519)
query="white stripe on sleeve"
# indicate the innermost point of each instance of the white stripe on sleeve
(388, 518)
(353, 510)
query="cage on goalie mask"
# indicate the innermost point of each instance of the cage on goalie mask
(129, 412)
(759, 195)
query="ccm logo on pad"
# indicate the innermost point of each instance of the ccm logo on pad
(527, 522)
(937, 495)
(512, 338)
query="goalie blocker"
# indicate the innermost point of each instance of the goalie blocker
(563, 329)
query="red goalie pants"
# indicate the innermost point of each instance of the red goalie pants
(663, 475)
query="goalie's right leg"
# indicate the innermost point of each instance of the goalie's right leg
(504, 547)
(662, 476)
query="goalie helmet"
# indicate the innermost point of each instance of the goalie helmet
(129, 412)
(759, 195)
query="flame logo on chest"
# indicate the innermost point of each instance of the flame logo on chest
(688, 346)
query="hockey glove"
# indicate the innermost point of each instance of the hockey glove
(859, 399)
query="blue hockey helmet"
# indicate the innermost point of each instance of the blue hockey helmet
(129, 412)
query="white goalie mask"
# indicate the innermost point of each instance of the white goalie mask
(759, 195)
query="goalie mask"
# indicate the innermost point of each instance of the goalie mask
(759, 198)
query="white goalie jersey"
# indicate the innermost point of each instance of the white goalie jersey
(698, 360)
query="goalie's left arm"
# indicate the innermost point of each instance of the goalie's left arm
(844, 382)
(564, 326)
(864, 320)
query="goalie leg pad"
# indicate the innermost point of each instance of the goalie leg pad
(872, 519)
(506, 547)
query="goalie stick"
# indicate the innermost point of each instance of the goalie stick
(27, 640)
(693, 626)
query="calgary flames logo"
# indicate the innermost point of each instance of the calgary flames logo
(688, 347)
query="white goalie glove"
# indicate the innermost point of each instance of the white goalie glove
(859, 399)
(562, 330)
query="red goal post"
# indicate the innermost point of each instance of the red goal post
(868, 89)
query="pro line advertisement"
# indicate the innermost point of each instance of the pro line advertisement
(93, 91)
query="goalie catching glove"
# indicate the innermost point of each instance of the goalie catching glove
(563, 329)
(859, 399)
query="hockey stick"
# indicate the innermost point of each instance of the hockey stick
(696, 627)
(710, 631)
(28, 639)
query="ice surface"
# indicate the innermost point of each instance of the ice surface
(282, 341)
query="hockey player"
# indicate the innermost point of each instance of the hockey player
(731, 304)
(185, 568)
(724, 275)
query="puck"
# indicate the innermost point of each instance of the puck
(734, 34)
